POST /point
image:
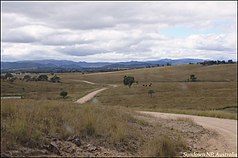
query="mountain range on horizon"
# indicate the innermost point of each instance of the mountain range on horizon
(67, 64)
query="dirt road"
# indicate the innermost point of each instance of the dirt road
(225, 127)
(12, 97)
(89, 96)
(85, 81)
(92, 94)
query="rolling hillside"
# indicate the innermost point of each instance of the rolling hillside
(215, 89)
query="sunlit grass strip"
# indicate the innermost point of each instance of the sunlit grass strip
(206, 113)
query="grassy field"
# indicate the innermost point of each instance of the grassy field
(47, 90)
(108, 120)
(213, 73)
(214, 94)
(29, 122)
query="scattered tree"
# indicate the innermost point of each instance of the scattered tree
(193, 78)
(128, 81)
(12, 79)
(3, 77)
(27, 78)
(150, 92)
(42, 78)
(55, 79)
(34, 78)
(212, 62)
(63, 94)
(8, 75)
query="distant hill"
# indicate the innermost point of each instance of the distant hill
(50, 65)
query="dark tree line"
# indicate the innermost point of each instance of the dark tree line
(216, 62)
(9, 77)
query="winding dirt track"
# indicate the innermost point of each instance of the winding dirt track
(86, 81)
(225, 127)
(89, 96)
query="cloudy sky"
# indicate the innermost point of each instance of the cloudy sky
(118, 31)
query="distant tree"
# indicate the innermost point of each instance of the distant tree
(128, 81)
(8, 75)
(150, 92)
(3, 77)
(55, 79)
(63, 94)
(193, 78)
(34, 78)
(230, 61)
(168, 64)
(42, 78)
(27, 78)
(12, 79)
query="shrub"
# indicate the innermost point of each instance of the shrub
(8, 75)
(55, 79)
(128, 81)
(27, 78)
(63, 94)
(11, 80)
(42, 78)
(193, 78)
(150, 92)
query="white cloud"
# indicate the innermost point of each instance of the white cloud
(117, 31)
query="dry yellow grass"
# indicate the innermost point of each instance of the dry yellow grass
(213, 73)
(47, 90)
(216, 89)
(163, 146)
(28, 122)
(183, 96)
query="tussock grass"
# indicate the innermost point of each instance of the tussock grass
(29, 122)
(185, 119)
(163, 146)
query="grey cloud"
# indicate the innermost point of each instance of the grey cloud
(130, 29)
(81, 50)
(93, 15)
(58, 39)
(18, 38)
(215, 48)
